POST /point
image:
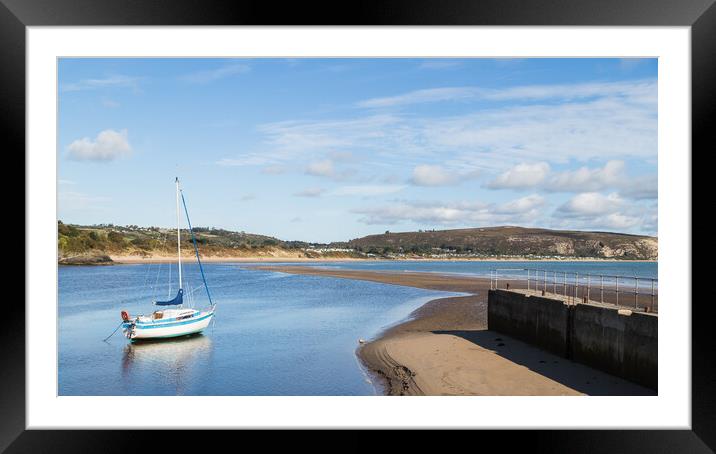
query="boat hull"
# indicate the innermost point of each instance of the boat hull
(162, 330)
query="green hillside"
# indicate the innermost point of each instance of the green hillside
(78, 243)
(511, 241)
(89, 241)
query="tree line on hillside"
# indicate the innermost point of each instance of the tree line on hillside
(108, 238)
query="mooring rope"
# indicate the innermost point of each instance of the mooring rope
(115, 330)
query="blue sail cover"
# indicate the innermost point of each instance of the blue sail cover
(173, 302)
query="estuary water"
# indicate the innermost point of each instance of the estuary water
(274, 333)
(483, 268)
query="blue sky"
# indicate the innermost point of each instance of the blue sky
(333, 149)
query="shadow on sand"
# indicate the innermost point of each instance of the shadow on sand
(577, 376)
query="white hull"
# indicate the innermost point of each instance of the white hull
(177, 321)
(161, 329)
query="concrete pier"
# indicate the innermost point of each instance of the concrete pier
(614, 340)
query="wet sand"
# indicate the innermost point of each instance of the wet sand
(445, 348)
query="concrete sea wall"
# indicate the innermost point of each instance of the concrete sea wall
(622, 343)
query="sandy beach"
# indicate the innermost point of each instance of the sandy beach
(285, 258)
(445, 348)
(134, 259)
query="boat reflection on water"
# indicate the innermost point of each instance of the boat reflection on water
(167, 364)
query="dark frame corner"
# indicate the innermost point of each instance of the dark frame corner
(700, 15)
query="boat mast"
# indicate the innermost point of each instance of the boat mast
(178, 234)
(196, 250)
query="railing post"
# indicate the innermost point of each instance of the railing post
(574, 296)
(576, 281)
(652, 295)
(554, 283)
(617, 288)
(589, 285)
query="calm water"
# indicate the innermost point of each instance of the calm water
(274, 334)
(482, 269)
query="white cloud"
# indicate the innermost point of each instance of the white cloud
(367, 190)
(588, 211)
(581, 131)
(341, 155)
(274, 170)
(108, 145)
(401, 212)
(591, 204)
(250, 159)
(321, 168)
(295, 138)
(580, 122)
(640, 188)
(651, 222)
(640, 91)
(585, 179)
(115, 81)
(610, 128)
(630, 90)
(435, 175)
(300, 141)
(593, 211)
(422, 96)
(521, 176)
(522, 205)
(519, 143)
(432, 175)
(521, 211)
(205, 77)
(621, 221)
(309, 192)
(610, 177)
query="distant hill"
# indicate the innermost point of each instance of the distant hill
(512, 241)
(76, 243)
(90, 244)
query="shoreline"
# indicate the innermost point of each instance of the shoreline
(135, 259)
(445, 348)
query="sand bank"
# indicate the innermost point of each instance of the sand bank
(446, 349)
(133, 259)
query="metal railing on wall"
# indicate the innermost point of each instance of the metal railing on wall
(640, 293)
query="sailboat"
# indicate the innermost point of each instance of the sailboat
(176, 320)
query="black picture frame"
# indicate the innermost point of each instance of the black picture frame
(700, 15)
